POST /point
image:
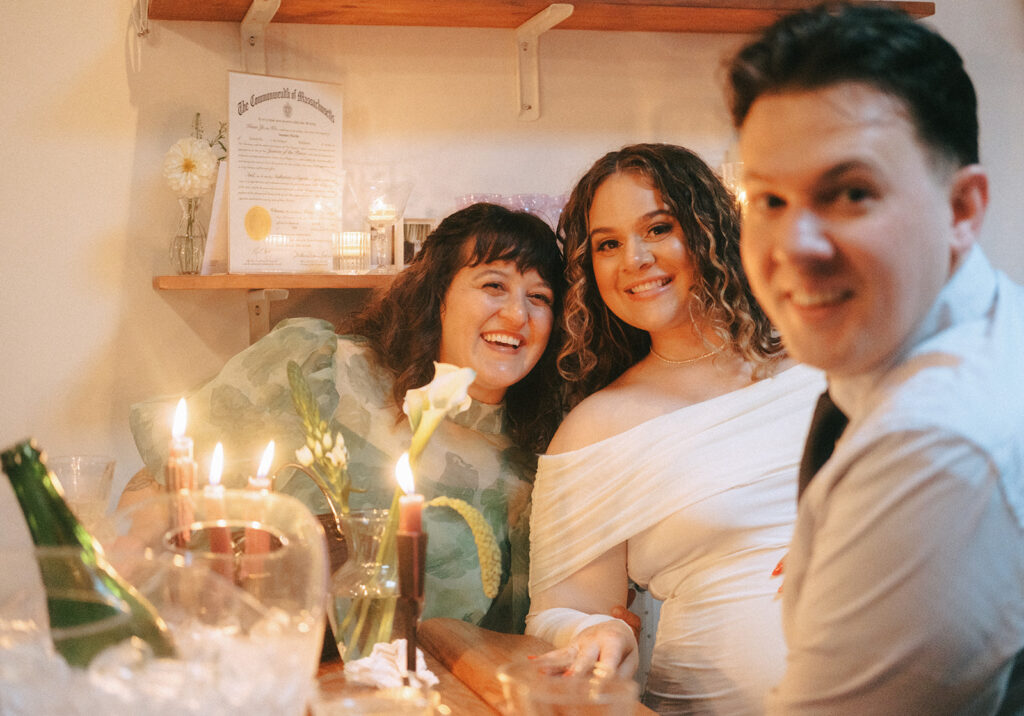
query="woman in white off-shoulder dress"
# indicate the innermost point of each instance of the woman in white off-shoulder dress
(677, 467)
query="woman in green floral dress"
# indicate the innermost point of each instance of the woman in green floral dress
(483, 293)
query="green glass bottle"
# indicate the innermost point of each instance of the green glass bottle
(91, 606)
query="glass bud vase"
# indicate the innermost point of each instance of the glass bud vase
(189, 242)
(363, 592)
(380, 247)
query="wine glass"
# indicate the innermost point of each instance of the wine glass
(380, 197)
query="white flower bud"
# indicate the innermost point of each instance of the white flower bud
(305, 456)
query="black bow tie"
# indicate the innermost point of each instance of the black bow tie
(827, 425)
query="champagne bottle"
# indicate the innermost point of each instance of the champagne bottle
(91, 606)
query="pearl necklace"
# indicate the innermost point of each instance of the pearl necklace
(660, 357)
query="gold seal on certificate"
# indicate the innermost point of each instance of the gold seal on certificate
(257, 223)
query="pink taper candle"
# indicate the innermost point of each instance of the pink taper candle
(257, 540)
(220, 535)
(410, 505)
(412, 555)
(180, 472)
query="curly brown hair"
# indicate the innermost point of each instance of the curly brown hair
(598, 345)
(402, 324)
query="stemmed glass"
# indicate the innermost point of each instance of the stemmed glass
(380, 198)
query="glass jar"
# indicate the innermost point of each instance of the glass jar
(363, 593)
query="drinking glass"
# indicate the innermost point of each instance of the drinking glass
(381, 197)
(336, 696)
(86, 481)
(351, 252)
(541, 688)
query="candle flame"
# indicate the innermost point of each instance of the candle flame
(268, 457)
(180, 418)
(216, 464)
(403, 473)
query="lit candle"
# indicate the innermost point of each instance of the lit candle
(410, 505)
(412, 555)
(180, 474)
(220, 535)
(180, 471)
(262, 481)
(352, 244)
(215, 489)
(381, 211)
(257, 539)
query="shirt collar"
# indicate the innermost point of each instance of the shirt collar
(968, 294)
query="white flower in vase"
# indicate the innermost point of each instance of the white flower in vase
(190, 167)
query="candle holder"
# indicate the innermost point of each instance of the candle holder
(381, 199)
(250, 625)
(351, 252)
(412, 560)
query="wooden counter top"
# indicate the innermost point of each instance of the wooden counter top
(472, 655)
(458, 697)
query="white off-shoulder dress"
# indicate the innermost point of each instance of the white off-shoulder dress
(705, 498)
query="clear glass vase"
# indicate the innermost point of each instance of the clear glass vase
(189, 242)
(363, 592)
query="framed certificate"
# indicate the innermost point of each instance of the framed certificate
(286, 180)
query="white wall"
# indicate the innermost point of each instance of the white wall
(89, 111)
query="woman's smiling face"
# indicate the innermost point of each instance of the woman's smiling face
(641, 264)
(497, 321)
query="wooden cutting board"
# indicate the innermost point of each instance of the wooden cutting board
(473, 654)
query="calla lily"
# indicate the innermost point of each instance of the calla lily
(446, 395)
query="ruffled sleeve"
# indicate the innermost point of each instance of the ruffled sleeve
(246, 404)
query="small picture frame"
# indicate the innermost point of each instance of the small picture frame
(409, 237)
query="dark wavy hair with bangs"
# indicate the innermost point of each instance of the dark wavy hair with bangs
(599, 346)
(402, 324)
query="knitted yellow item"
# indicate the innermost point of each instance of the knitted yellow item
(486, 545)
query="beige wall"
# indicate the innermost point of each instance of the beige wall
(89, 111)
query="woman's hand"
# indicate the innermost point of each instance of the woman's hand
(608, 647)
(631, 619)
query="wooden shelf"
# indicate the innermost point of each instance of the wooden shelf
(740, 16)
(264, 289)
(226, 281)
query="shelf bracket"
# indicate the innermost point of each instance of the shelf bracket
(253, 30)
(527, 62)
(140, 17)
(259, 310)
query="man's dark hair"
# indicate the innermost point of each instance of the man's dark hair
(879, 46)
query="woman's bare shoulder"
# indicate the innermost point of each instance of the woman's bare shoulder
(600, 415)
